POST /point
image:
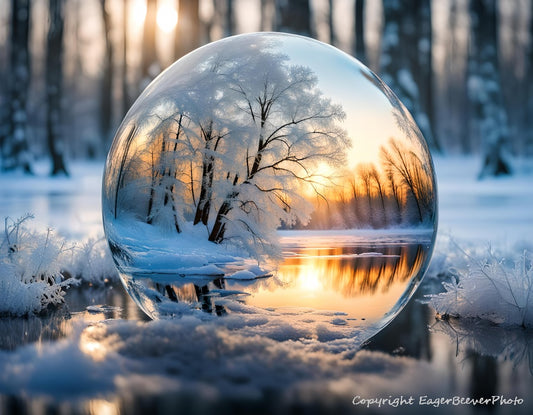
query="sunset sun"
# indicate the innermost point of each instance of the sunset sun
(167, 17)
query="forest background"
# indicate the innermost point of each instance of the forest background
(70, 69)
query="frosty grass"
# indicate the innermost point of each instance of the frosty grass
(37, 267)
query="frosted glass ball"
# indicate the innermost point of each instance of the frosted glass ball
(274, 173)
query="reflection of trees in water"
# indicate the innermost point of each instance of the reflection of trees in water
(193, 293)
(348, 271)
(26, 330)
(55, 324)
(397, 191)
(352, 272)
(484, 375)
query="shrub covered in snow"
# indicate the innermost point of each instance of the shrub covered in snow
(91, 262)
(492, 289)
(31, 276)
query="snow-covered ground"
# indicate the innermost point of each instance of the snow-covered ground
(489, 210)
(101, 360)
(70, 205)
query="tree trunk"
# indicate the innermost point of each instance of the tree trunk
(14, 142)
(208, 170)
(126, 103)
(204, 202)
(188, 29)
(219, 228)
(54, 87)
(406, 59)
(266, 16)
(454, 108)
(489, 116)
(359, 49)
(331, 24)
(424, 71)
(294, 16)
(106, 93)
(149, 63)
(529, 79)
(230, 18)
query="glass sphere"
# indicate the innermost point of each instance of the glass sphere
(274, 172)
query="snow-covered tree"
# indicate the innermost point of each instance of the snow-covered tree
(231, 147)
(292, 127)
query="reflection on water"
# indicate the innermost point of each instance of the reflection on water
(82, 304)
(470, 358)
(363, 281)
(480, 338)
(359, 282)
(102, 407)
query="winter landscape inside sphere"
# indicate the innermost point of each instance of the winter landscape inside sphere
(270, 173)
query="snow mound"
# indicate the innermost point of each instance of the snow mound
(252, 273)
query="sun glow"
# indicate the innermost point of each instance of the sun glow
(310, 280)
(137, 13)
(103, 407)
(167, 17)
(91, 346)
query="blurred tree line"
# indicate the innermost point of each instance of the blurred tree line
(70, 69)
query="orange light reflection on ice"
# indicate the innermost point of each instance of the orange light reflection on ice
(360, 285)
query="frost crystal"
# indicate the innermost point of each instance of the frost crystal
(490, 289)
